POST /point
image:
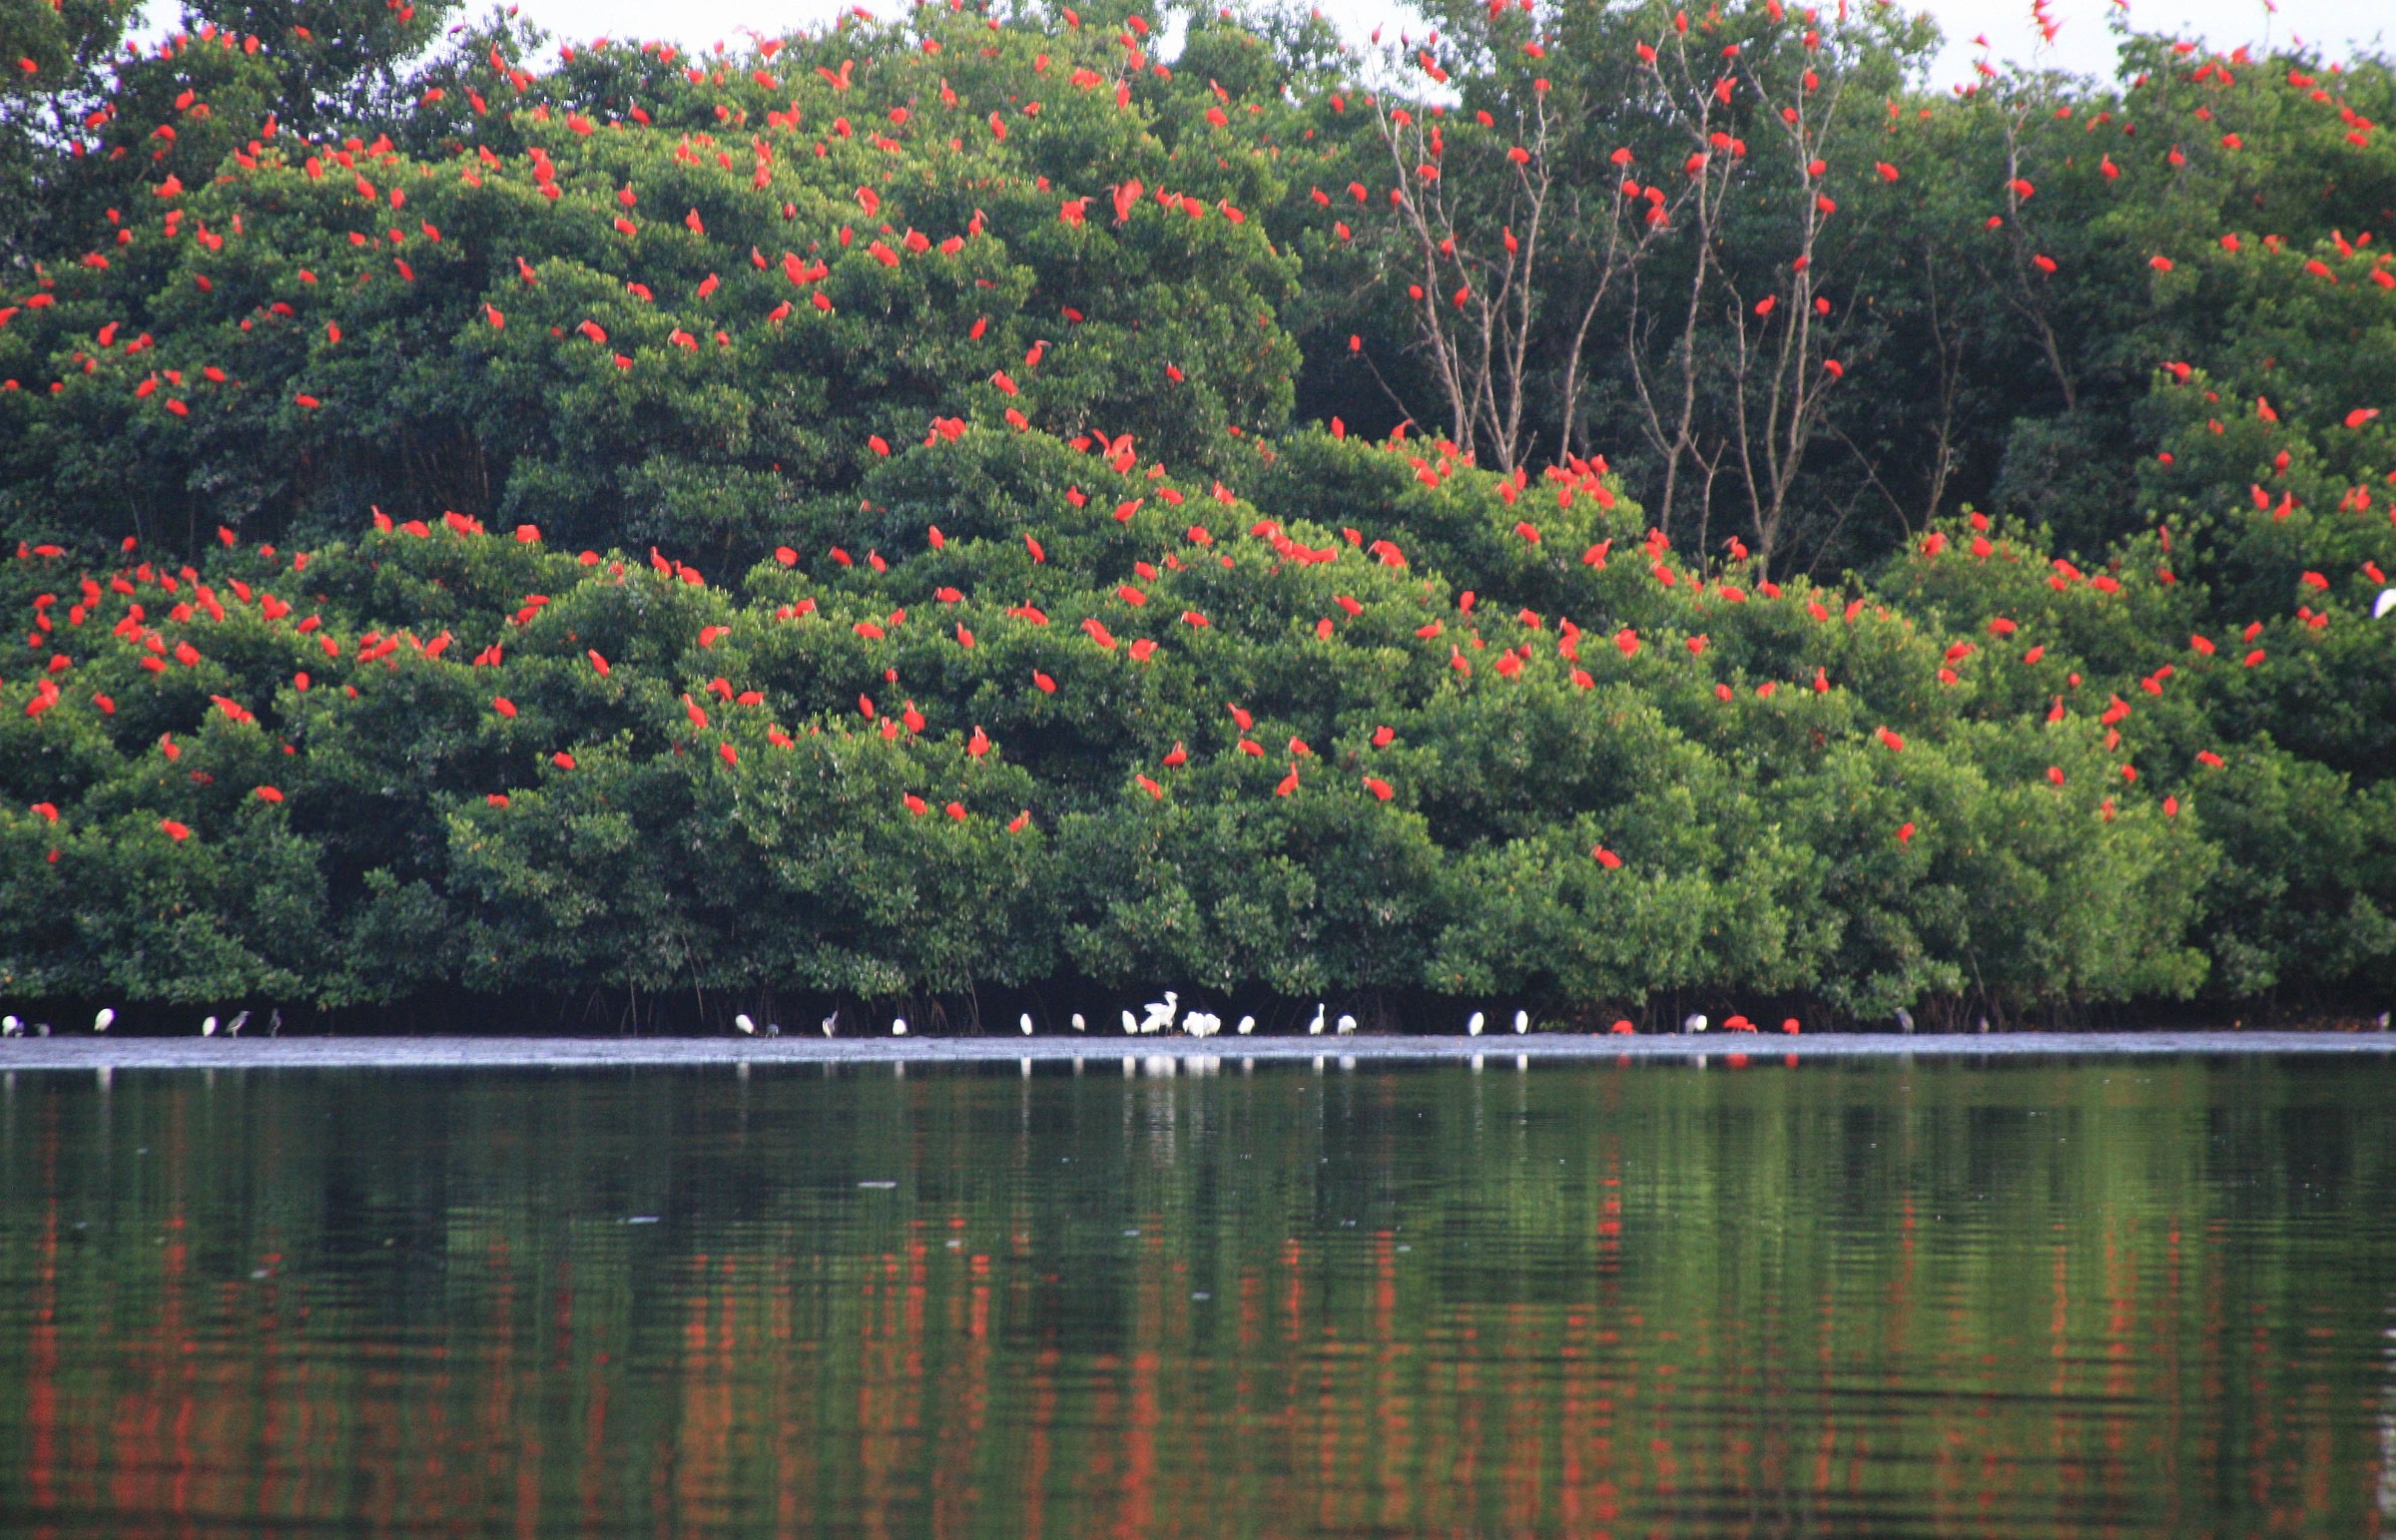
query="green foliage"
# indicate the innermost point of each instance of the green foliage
(830, 518)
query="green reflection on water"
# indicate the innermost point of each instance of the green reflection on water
(1848, 1298)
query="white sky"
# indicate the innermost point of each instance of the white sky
(2083, 45)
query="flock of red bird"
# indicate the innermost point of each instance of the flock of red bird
(159, 610)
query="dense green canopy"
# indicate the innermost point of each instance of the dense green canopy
(1598, 505)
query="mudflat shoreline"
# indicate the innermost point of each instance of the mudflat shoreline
(88, 1053)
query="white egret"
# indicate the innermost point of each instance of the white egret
(1248, 1025)
(1025, 1020)
(1522, 1022)
(2385, 605)
(1161, 1012)
(1079, 1024)
(101, 1022)
(11, 1027)
(1131, 1024)
(1347, 1024)
(1694, 1021)
(831, 1022)
(207, 1027)
(1314, 1028)
(741, 1020)
(1472, 1025)
(898, 1026)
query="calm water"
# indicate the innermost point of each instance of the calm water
(2105, 1298)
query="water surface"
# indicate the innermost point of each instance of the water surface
(2117, 1296)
